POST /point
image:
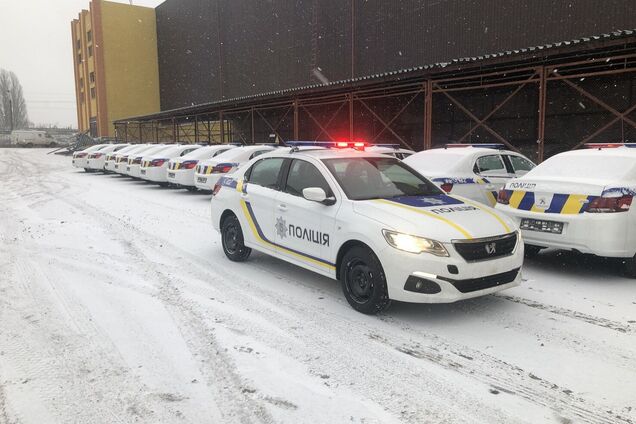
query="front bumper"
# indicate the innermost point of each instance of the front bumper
(181, 177)
(601, 234)
(471, 279)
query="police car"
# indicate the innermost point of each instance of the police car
(181, 170)
(369, 220)
(109, 162)
(390, 149)
(96, 161)
(208, 172)
(134, 160)
(579, 200)
(119, 161)
(476, 171)
(154, 167)
(80, 159)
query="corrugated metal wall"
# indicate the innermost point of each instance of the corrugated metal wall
(213, 49)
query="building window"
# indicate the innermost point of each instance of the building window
(79, 57)
(79, 44)
(82, 98)
(92, 92)
(90, 51)
(81, 83)
(91, 77)
(89, 36)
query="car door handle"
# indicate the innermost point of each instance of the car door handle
(282, 207)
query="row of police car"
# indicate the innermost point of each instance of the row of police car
(390, 224)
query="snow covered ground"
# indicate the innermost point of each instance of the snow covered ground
(117, 305)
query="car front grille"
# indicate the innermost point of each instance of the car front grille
(486, 248)
(475, 284)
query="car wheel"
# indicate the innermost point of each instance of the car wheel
(232, 240)
(630, 267)
(532, 251)
(363, 281)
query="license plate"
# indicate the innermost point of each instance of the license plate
(171, 174)
(143, 172)
(542, 225)
(202, 180)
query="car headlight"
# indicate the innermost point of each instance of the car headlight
(414, 244)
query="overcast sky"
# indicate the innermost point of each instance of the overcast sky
(35, 43)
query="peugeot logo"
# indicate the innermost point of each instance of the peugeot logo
(491, 248)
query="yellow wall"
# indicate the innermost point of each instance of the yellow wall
(130, 61)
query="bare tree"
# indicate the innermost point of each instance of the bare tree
(13, 111)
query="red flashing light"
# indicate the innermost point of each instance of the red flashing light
(359, 144)
(603, 145)
(342, 144)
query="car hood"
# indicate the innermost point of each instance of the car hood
(440, 217)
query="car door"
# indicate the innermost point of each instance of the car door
(258, 194)
(304, 228)
(492, 172)
(519, 165)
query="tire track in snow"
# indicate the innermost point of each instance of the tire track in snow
(590, 319)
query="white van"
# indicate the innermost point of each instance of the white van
(31, 138)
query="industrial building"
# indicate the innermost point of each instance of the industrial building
(538, 76)
(115, 63)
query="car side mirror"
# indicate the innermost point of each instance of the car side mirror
(317, 194)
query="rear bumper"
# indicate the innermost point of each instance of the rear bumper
(182, 177)
(601, 234)
(154, 174)
(80, 162)
(132, 170)
(208, 184)
(97, 164)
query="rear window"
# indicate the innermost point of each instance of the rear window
(429, 162)
(601, 166)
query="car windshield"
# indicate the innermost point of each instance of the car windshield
(579, 166)
(364, 178)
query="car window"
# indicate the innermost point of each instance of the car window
(258, 153)
(491, 164)
(520, 164)
(302, 175)
(378, 178)
(185, 152)
(220, 151)
(266, 172)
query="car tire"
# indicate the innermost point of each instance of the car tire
(232, 240)
(363, 281)
(532, 251)
(630, 267)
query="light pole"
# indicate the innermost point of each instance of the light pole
(10, 111)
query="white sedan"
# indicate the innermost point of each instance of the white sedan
(208, 172)
(476, 172)
(154, 166)
(80, 159)
(111, 158)
(181, 170)
(134, 160)
(121, 159)
(368, 220)
(390, 149)
(578, 200)
(97, 160)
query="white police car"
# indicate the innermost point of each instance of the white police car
(475, 171)
(109, 162)
(154, 167)
(134, 160)
(390, 149)
(181, 170)
(97, 160)
(121, 159)
(368, 220)
(579, 200)
(80, 159)
(208, 172)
